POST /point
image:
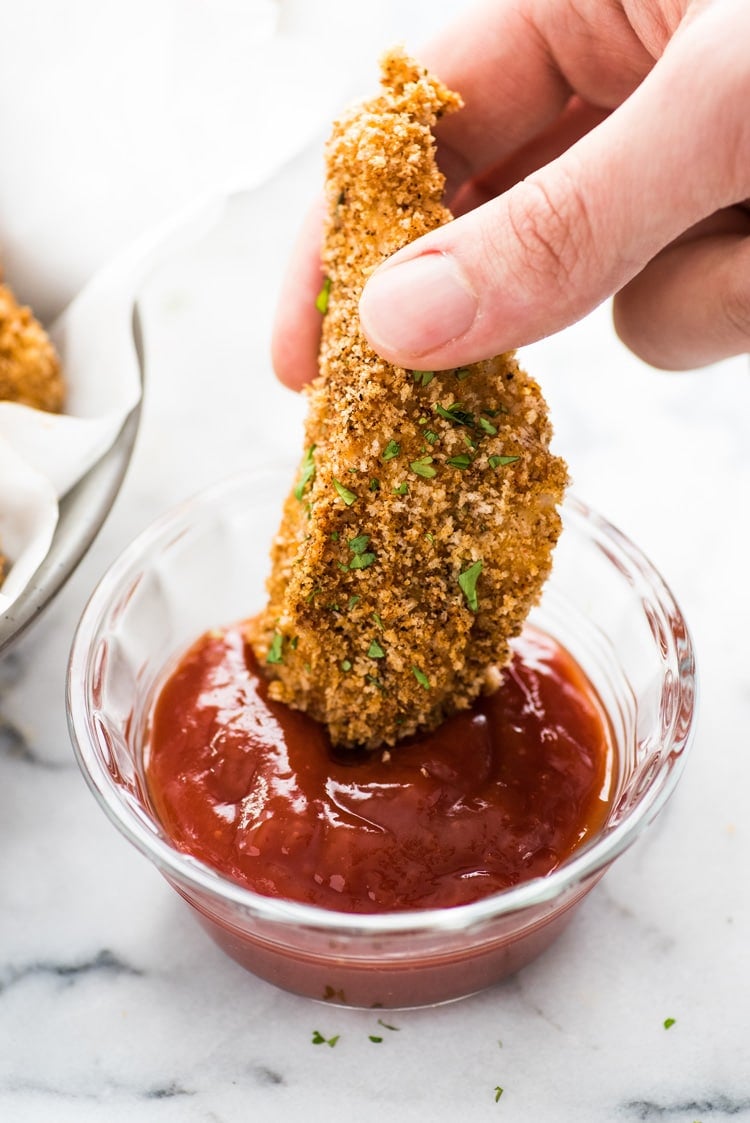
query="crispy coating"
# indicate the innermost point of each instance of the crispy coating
(409, 480)
(29, 367)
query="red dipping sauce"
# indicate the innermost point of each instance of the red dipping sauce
(498, 794)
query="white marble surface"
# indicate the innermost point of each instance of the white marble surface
(114, 1006)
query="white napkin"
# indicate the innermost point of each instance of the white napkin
(42, 455)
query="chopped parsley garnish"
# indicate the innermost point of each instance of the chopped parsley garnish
(423, 467)
(391, 450)
(348, 496)
(274, 652)
(499, 461)
(306, 473)
(462, 373)
(375, 682)
(469, 441)
(345, 665)
(430, 538)
(361, 561)
(430, 436)
(402, 489)
(319, 1039)
(375, 651)
(495, 412)
(374, 484)
(293, 642)
(353, 599)
(334, 536)
(423, 377)
(669, 1022)
(498, 1092)
(421, 677)
(487, 427)
(455, 414)
(463, 460)
(358, 545)
(374, 1037)
(378, 621)
(468, 584)
(321, 300)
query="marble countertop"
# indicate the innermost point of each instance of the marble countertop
(115, 1006)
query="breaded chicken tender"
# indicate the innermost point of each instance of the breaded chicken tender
(29, 366)
(421, 527)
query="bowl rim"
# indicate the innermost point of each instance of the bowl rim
(193, 875)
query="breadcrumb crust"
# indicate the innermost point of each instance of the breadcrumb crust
(367, 626)
(29, 367)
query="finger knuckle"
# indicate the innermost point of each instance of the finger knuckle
(554, 230)
(736, 306)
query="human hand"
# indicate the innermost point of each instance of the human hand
(604, 148)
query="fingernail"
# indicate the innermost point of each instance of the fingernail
(416, 307)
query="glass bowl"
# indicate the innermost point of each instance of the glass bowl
(204, 565)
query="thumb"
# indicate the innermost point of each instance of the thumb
(554, 246)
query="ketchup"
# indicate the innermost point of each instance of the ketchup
(498, 794)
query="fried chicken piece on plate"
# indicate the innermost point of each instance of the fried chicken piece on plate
(29, 366)
(421, 527)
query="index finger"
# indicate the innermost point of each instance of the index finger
(516, 65)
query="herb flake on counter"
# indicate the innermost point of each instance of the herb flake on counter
(321, 300)
(275, 654)
(348, 496)
(468, 584)
(319, 1039)
(375, 651)
(423, 467)
(391, 450)
(421, 678)
(374, 1037)
(498, 1092)
(306, 473)
(501, 461)
(462, 461)
(669, 1022)
(385, 1025)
